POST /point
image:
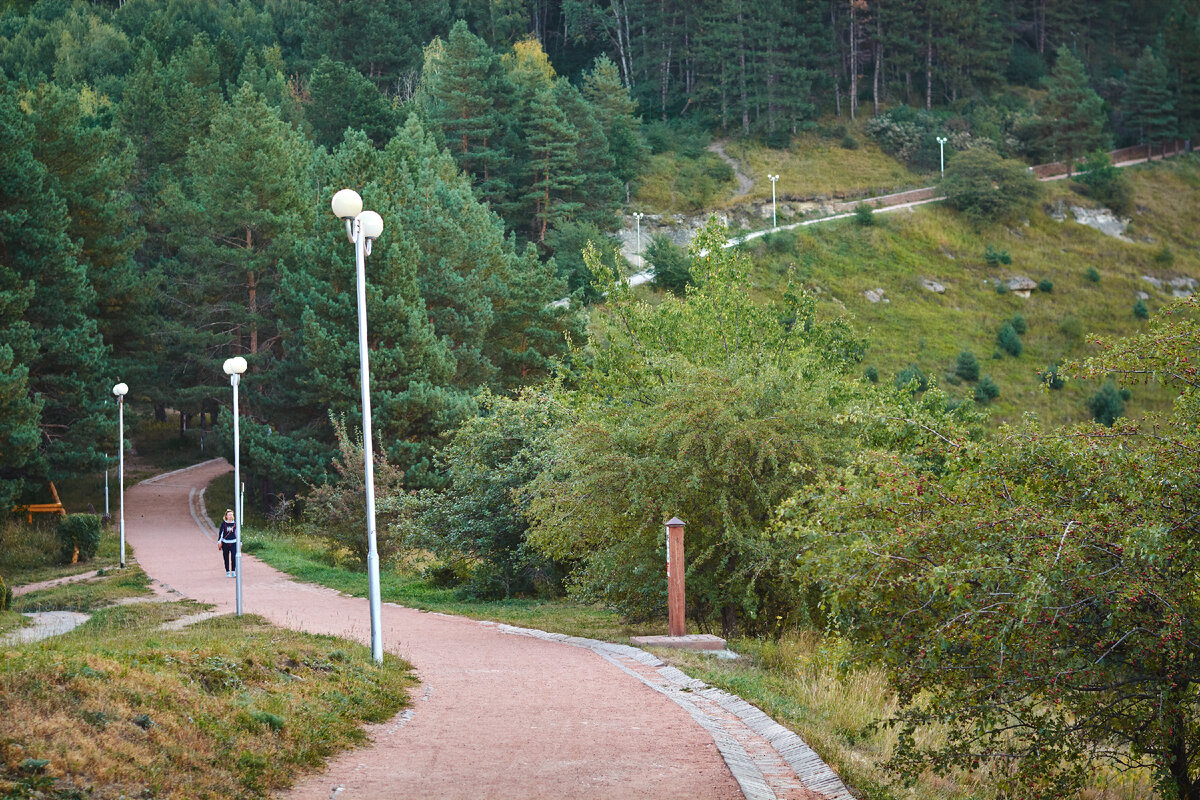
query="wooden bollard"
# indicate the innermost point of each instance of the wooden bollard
(676, 606)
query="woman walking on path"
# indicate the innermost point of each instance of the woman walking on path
(227, 541)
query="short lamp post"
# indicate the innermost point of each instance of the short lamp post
(774, 217)
(120, 390)
(362, 228)
(941, 140)
(676, 605)
(637, 215)
(236, 367)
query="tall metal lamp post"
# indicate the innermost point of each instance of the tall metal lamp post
(362, 228)
(120, 390)
(235, 367)
(774, 218)
(638, 216)
(942, 152)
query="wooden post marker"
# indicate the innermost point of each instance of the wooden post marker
(676, 605)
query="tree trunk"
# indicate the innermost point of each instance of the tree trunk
(853, 62)
(253, 299)
(929, 64)
(742, 74)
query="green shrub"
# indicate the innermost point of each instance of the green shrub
(1092, 275)
(1001, 287)
(1071, 327)
(871, 374)
(1009, 340)
(849, 142)
(1164, 257)
(79, 535)
(1108, 404)
(5, 595)
(1140, 311)
(986, 390)
(1046, 285)
(672, 267)
(1018, 323)
(985, 186)
(995, 257)
(864, 215)
(952, 378)
(967, 366)
(1101, 181)
(912, 374)
(1051, 377)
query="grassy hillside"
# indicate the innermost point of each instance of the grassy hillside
(840, 261)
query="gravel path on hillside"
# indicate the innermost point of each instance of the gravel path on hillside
(496, 715)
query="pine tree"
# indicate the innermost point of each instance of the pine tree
(596, 194)
(56, 368)
(531, 331)
(341, 98)
(1071, 111)
(89, 167)
(617, 114)
(1151, 106)
(414, 369)
(551, 143)
(463, 95)
(236, 216)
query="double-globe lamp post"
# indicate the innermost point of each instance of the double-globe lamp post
(120, 390)
(774, 217)
(942, 152)
(235, 367)
(363, 227)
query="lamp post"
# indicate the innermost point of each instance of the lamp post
(235, 367)
(774, 218)
(363, 227)
(942, 152)
(120, 390)
(638, 216)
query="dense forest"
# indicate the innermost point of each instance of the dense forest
(164, 167)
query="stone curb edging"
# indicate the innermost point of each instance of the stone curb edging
(812, 772)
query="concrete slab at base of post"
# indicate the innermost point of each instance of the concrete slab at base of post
(695, 641)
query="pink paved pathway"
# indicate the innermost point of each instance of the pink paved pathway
(496, 716)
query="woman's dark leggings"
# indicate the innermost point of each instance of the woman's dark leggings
(227, 552)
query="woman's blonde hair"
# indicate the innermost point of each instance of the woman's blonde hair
(229, 511)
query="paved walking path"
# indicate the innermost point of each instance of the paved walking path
(497, 715)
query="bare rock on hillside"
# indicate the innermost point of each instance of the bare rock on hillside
(1058, 211)
(1103, 220)
(933, 286)
(876, 296)
(1021, 286)
(1182, 286)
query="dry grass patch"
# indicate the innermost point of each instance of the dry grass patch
(817, 167)
(814, 685)
(228, 708)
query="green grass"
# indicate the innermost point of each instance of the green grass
(32, 553)
(101, 591)
(119, 707)
(674, 183)
(229, 707)
(306, 558)
(839, 261)
(814, 685)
